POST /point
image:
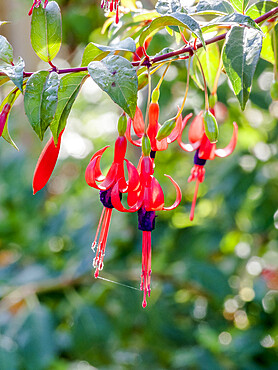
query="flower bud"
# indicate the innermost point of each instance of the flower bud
(274, 90)
(212, 100)
(211, 127)
(166, 129)
(142, 80)
(122, 124)
(146, 146)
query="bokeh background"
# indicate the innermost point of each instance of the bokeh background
(215, 280)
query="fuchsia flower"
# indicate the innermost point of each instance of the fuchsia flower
(153, 127)
(111, 5)
(146, 199)
(36, 4)
(204, 150)
(105, 184)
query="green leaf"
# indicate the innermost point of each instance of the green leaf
(98, 52)
(240, 57)
(214, 7)
(170, 6)
(8, 353)
(239, 5)
(11, 98)
(15, 72)
(260, 8)
(36, 340)
(46, 31)
(117, 77)
(68, 90)
(40, 100)
(208, 276)
(3, 79)
(232, 19)
(175, 19)
(267, 52)
(6, 50)
(210, 60)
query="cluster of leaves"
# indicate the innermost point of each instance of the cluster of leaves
(48, 98)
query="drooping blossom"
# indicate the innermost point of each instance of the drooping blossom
(36, 4)
(105, 184)
(205, 150)
(46, 163)
(146, 200)
(138, 125)
(111, 5)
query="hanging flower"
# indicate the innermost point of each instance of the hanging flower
(146, 200)
(111, 5)
(204, 150)
(153, 128)
(36, 4)
(105, 184)
(46, 163)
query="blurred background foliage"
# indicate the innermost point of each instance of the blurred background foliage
(214, 284)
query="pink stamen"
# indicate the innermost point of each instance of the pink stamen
(104, 223)
(98, 228)
(146, 266)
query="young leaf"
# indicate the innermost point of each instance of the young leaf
(214, 7)
(267, 52)
(240, 57)
(14, 72)
(240, 5)
(232, 19)
(6, 51)
(117, 77)
(11, 98)
(98, 52)
(262, 7)
(3, 79)
(175, 19)
(210, 60)
(46, 31)
(40, 100)
(68, 90)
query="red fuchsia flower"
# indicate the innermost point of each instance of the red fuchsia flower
(204, 150)
(153, 128)
(146, 200)
(105, 184)
(36, 4)
(46, 163)
(3, 116)
(111, 5)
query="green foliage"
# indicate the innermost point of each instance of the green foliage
(68, 90)
(175, 19)
(14, 72)
(117, 77)
(6, 50)
(46, 31)
(241, 54)
(40, 100)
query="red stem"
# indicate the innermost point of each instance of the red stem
(186, 49)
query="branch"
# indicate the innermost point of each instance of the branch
(186, 49)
